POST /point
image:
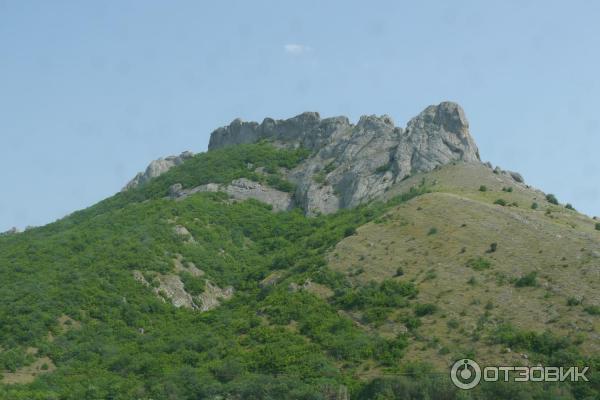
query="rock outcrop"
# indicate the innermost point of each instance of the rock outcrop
(240, 189)
(351, 164)
(157, 168)
(170, 288)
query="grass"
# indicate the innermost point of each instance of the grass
(470, 224)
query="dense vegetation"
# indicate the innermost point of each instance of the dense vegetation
(267, 342)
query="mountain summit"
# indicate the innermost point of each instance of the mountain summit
(351, 164)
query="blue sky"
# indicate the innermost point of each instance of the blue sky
(90, 92)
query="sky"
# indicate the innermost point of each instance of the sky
(92, 91)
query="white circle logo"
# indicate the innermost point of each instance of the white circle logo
(465, 374)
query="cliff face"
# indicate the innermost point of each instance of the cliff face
(350, 163)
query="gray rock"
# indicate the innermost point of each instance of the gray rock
(243, 189)
(213, 296)
(176, 190)
(157, 168)
(352, 164)
(349, 164)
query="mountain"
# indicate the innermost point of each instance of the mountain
(305, 258)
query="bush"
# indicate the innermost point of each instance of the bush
(598, 226)
(493, 247)
(527, 280)
(507, 189)
(389, 293)
(432, 231)
(399, 271)
(410, 322)
(592, 310)
(453, 323)
(551, 199)
(573, 301)
(349, 231)
(543, 343)
(384, 168)
(500, 202)
(424, 309)
(479, 263)
(534, 206)
(483, 188)
(569, 207)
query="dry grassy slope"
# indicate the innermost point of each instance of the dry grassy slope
(563, 247)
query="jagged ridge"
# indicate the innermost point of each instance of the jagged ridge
(351, 164)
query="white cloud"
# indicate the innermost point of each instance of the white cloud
(296, 49)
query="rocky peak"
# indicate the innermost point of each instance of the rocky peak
(349, 164)
(355, 163)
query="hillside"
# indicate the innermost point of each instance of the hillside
(312, 259)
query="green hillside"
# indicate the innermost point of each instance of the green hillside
(373, 302)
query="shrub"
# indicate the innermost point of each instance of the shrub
(534, 206)
(432, 231)
(453, 323)
(424, 309)
(507, 189)
(376, 315)
(349, 231)
(543, 343)
(569, 207)
(500, 202)
(479, 263)
(598, 226)
(431, 274)
(320, 177)
(573, 301)
(527, 280)
(551, 199)
(399, 271)
(493, 247)
(592, 310)
(388, 293)
(411, 323)
(472, 281)
(483, 188)
(384, 168)
(192, 284)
